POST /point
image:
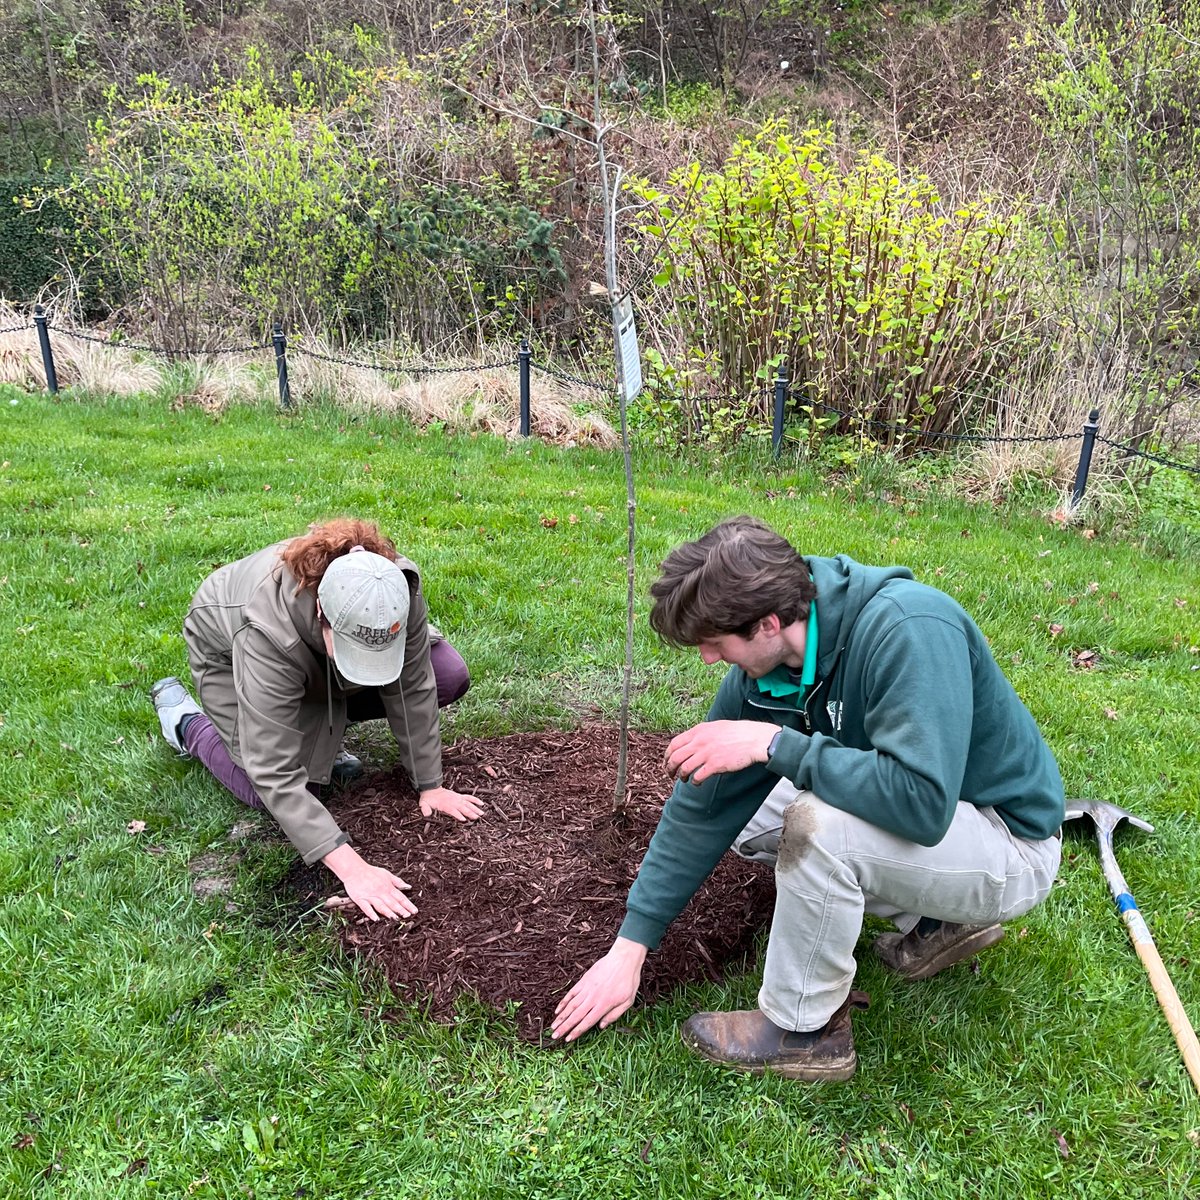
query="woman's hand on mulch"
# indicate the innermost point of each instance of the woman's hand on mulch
(375, 890)
(450, 804)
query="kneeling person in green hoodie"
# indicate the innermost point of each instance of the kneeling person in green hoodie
(866, 744)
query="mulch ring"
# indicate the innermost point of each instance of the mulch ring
(516, 906)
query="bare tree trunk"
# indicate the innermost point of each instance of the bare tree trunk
(51, 71)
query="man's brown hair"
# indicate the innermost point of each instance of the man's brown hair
(726, 582)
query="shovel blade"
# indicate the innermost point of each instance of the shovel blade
(1105, 816)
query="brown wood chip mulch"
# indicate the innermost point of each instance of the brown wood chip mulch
(516, 906)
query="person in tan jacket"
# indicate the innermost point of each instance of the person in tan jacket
(289, 645)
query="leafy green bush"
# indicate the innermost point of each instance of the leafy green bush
(30, 235)
(467, 250)
(879, 303)
(242, 200)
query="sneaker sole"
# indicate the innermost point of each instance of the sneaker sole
(957, 953)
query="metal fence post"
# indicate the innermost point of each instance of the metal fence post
(280, 343)
(43, 330)
(781, 399)
(1090, 426)
(523, 357)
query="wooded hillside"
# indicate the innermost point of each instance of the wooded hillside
(930, 212)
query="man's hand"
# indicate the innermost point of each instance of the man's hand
(603, 993)
(450, 804)
(375, 890)
(715, 747)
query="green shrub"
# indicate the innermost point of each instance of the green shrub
(471, 251)
(30, 235)
(880, 303)
(244, 201)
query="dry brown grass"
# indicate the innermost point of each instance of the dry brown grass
(1046, 404)
(215, 383)
(474, 399)
(108, 370)
(488, 401)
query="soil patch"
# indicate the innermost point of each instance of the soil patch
(516, 906)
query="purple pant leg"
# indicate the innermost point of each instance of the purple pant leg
(450, 671)
(202, 741)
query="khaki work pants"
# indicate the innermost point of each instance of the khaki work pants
(831, 868)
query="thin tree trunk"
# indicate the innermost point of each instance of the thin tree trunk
(51, 71)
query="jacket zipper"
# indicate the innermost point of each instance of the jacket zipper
(803, 713)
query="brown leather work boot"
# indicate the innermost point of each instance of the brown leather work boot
(933, 946)
(752, 1042)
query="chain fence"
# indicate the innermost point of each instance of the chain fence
(779, 395)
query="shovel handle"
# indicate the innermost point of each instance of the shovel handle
(1164, 989)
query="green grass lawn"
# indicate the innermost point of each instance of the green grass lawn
(220, 1046)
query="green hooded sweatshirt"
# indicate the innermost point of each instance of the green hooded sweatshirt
(909, 715)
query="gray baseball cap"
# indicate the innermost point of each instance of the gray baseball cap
(364, 597)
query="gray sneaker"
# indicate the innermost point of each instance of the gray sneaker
(173, 702)
(933, 946)
(346, 768)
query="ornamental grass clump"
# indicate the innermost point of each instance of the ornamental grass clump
(880, 302)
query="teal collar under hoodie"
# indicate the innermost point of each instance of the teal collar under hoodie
(909, 714)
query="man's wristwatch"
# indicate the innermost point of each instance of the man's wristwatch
(774, 745)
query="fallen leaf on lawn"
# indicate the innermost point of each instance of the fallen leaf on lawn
(1111, 713)
(1180, 603)
(266, 487)
(137, 1166)
(25, 1141)
(1063, 1148)
(573, 519)
(1089, 534)
(1092, 588)
(1055, 630)
(549, 522)
(135, 827)
(1193, 1136)
(908, 1112)
(1085, 659)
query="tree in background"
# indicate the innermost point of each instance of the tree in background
(1117, 93)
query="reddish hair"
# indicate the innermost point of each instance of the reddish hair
(308, 557)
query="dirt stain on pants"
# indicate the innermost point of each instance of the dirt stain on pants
(796, 840)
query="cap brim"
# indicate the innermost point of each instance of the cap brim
(368, 668)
